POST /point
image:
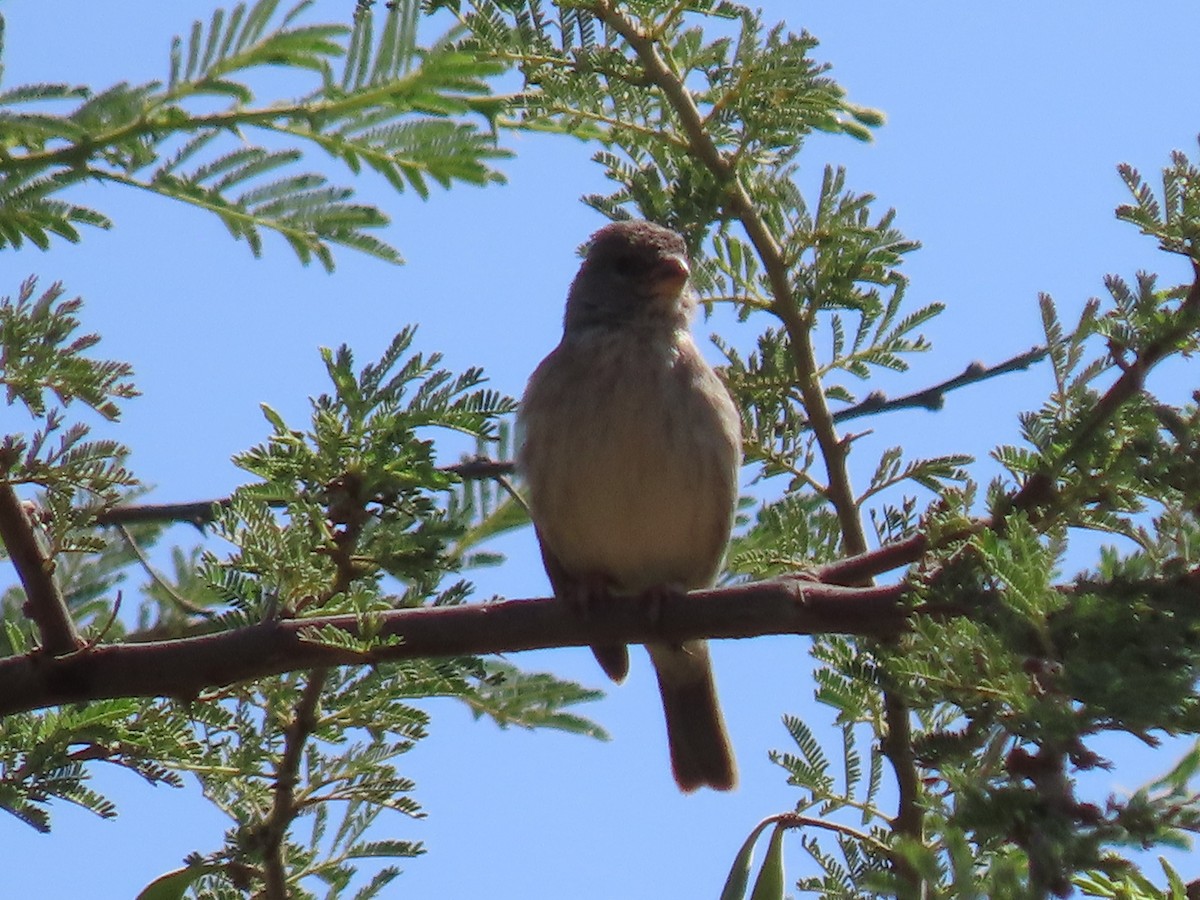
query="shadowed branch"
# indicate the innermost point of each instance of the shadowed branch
(44, 603)
(185, 667)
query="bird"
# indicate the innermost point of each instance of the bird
(629, 447)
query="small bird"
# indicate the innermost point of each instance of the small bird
(629, 446)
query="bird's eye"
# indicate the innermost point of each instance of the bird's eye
(625, 265)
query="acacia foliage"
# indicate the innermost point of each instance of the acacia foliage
(957, 740)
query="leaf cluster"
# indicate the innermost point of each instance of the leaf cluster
(344, 508)
(1173, 218)
(412, 114)
(44, 368)
(361, 486)
(1099, 483)
(40, 354)
(46, 758)
(340, 512)
(1014, 675)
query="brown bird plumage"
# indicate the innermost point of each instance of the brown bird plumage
(630, 446)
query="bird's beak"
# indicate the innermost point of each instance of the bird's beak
(671, 272)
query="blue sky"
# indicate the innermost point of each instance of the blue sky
(1004, 129)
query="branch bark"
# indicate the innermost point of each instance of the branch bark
(44, 603)
(183, 668)
(287, 776)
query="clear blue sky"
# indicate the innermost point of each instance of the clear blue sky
(1005, 127)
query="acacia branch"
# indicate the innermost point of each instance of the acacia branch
(198, 513)
(287, 776)
(204, 512)
(1039, 488)
(934, 397)
(186, 667)
(44, 603)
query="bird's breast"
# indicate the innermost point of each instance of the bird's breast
(630, 451)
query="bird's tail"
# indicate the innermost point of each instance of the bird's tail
(613, 659)
(700, 750)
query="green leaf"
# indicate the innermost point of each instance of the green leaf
(739, 873)
(173, 885)
(770, 882)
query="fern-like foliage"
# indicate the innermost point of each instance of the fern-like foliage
(1083, 361)
(414, 114)
(1173, 220)
(45, 368)
(361, 470)
(45, 758)
(352, 515)
(365, 527)
(40, 353)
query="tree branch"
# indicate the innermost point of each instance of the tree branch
(287, 776)
(44, 603)
(933, 398)
(863, 567)
(203, 512)
(185, 667)
(1037, 490)
(198, 513)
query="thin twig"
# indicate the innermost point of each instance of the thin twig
(934, 397)
(480, 467)
(108, 624)
(283, 796)
(203, 512)
(180, 601)
(198, 513)
(796, 820)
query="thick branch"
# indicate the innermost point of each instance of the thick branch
(44, 603)
(185, 667)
